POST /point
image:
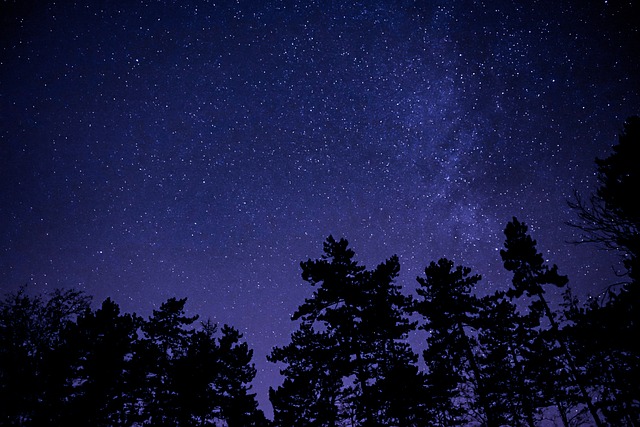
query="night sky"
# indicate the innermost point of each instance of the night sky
(202, 150)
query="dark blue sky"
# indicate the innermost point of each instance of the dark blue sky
(202, 150)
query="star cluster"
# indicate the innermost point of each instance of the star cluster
(201, 149)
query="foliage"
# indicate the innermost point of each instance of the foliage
(349, 362)
(611, 216)
(65, 364)
(449, 310)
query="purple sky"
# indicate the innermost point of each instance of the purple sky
(203, 150)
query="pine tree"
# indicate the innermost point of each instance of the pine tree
(387, 360)
(506, 339)
(194, 377)
(600, 336)
(34, 373)
(453, 375)
(344, 363)
(99, 347)
(239, 407)
(312, 392)
(530, 277)
(611, 217)
(166, 339)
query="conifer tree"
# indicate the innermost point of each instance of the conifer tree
(211, 380)
(239, 407)
(99, 347)
(34, 372)
(195, 378)
(312, 393)
(358, 317)
(611, 217)
(453, 373)
(505, 337)
(530, 277)
(167, 335)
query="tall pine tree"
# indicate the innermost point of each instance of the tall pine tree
(167, 334)
(454, 376)
(348, 359)
(99, 348)
(506, 357)
(530, 277)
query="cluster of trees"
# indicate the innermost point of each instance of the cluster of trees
(507, 359)
(64, 364)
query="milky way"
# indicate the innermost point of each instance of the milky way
(203, 150)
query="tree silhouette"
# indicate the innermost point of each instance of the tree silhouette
(530, 276)
(99, 347)
(211, 380)
(454, 376)
(611, 216)
(601, 337)
(611, 219)
(238, 406)
(312, 393)
(358, 315)
(33, 372)
(399, 395)
(166, 339)
(508, 361)
(63, 364)
(196, 376)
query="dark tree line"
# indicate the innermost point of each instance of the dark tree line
(63, 364)
(508, 359)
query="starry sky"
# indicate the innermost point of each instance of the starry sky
(155, 149)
